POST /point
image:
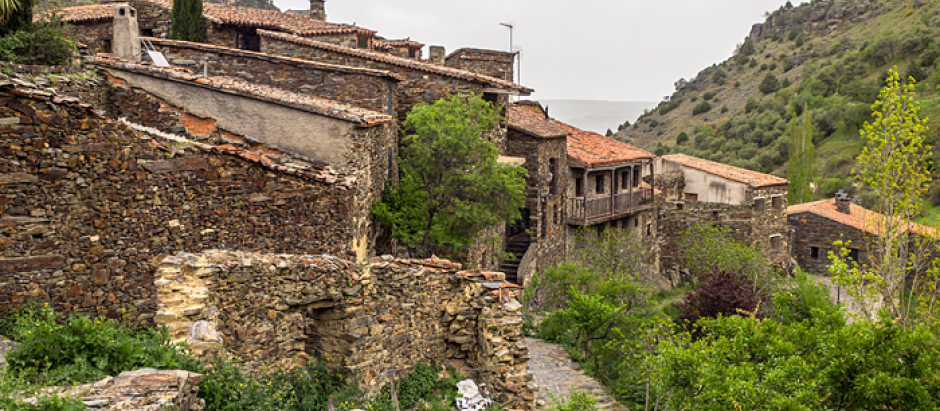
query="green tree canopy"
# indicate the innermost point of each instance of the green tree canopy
(16, 15)
(451, 183)
(769, 84)
(800, 170)
(186, 21)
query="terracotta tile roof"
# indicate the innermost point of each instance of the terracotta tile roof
(749, 177)
(594, 150)
(390, 44)
(232, 15)
(396, 61)
(527, 120)
(275, 58)
(859, 217)
(363, 117)
(80, 14)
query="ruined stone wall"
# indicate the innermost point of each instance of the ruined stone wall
(371, 90)
(95, 35)
(418, 86)
(376, 321)
(491, 63)
(153, 19)
(546, 193)
(86, 205)
(221, 35)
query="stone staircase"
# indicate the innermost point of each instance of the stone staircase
(517, 246)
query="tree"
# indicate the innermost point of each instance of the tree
(187, 22)
(900, 273)
(7, 7)
(800, 170)
(19, 16)
(451, 184)
(769, 84)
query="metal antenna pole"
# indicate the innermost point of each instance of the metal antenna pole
(511, 27)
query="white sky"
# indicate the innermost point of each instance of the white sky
(624, 50)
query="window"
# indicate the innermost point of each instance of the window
(362, 42)
(636, 177)
(691, 197)
(649, 229)
(853, 254)
(146, 32)
(760, 203)
(636, 222)
(412, 53)
(776, 241)
(579, 187)
(814, 253)
(625, 180)
(776, 202)
(552, 175)
(599, 184)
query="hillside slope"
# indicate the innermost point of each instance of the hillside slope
(828, 56)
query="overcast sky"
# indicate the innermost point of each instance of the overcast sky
(620, 50)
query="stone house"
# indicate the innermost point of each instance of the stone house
(229, 26)
(750, 204)
(493, 63)
(817, 225)
(538, 240)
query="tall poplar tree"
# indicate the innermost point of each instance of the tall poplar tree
(800, 170)
(187, 22)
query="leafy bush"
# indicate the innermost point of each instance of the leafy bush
(700, 108)
(803, 300)
(769, 84)
(751, 105)
(720, 294)
(43, 44)
(709, 95)
(667, 106)
(706, 250)
(84, 349)
(579, 401)
(682, 138)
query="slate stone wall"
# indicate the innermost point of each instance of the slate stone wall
(418, 86)
(546, 193)
(497, 64)
(372, 91)
(813, 231)
(376, 321)
(86, 205)
(747, 224)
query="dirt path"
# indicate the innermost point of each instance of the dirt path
(555, 372)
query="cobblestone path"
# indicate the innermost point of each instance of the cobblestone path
(555, 372)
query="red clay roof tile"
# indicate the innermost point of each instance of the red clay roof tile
(749, 177)
(594, 150)
(526, 120)
(859, 217)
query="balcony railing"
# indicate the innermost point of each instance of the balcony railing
(583, 211)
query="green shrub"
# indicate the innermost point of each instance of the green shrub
(724, 109)
(667, 106)
(579, 401)
(84, 349)
(709, 95)
(802, 300)
(700, 108)
(43, 44)
(682, 138)
(769, 84)
(751, 105)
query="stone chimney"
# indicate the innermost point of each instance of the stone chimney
(125, 40)
(318, 10)
(436, 55)
(843, 203)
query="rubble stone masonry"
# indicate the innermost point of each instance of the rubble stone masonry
(86, 205)
(377, 321)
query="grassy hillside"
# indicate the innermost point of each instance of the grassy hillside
(828, 56)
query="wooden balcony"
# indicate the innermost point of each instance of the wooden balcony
(583, 211)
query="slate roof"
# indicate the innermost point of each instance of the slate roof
(523, 118)
(233, 15)
(390, 44)
(469, 52)
(396, 61)
(275, 58)
(859, 217)
(594, 150)
(305, 102)
(749, 177)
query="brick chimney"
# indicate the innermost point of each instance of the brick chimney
(436, 55)
(843, 203)
(125, 36)
(318, 10)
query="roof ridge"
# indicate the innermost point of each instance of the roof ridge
(753, 178)
(395, 60)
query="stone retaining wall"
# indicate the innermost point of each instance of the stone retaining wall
(377, 321)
